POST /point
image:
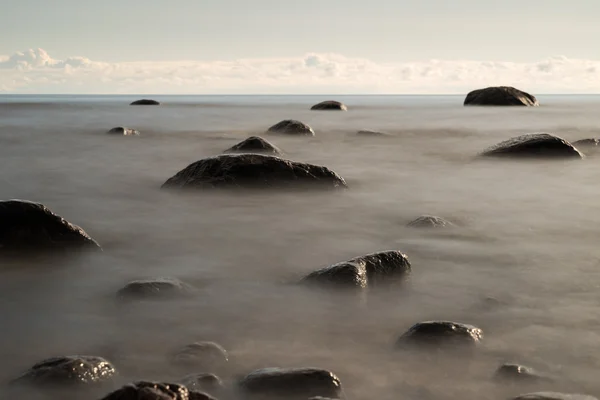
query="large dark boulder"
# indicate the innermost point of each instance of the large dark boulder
(295, 383)
(292, 127)
(145, 102)
(203, 355)
(158, 288)
(68, 371)
(553, 396)
(535, 145)
(520, 373)
(439, 334)
(255, 144)
(121, 130)
(27, 226)
(330, 105)
(429, 221)
(500, 96)
(253, 171)
(365, 271)
(155, 391)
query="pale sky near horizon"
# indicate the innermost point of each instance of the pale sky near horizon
(345, 36)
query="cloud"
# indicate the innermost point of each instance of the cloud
(35, 71)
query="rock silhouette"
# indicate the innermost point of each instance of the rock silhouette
(121, 130)
(255, 144)
(440, 333)
(536, 145)
(145, 102)
(291, 127)
(330, 105)
(500, 96)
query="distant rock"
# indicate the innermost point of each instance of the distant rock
(253, 171)
(159, 288)
(121, 130)
(586, 143)
(330, 105)
(67, 371)
(429, 221)
(440, 333)
(520, 373)
(26, 226)
(292, 127)
(295, 383)
(203, 355)
(145, 102)
(255, 144)
(366, 132)
(500, 96)
(209, 383)
(155, 391)
(365, 271)
(553, 396)
(536, 145)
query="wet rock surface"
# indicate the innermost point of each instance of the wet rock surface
(145, 102)
(329, 105)
(365, 271)
(27, 226)
(122, 130)
(429, 221)
(297, 383)
(144, 390)
(209, 383)
(253, 171)
(159, 288)
(200, 354)
(255, 144)
(500, 96)
(292, 127)
(440, 333)
(553, 396)
(520, 373)
(536, 145)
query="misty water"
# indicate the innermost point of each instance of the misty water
(522, 261)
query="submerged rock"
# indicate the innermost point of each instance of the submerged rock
(159, 288)
(210, 383)
(500, 96)
(155, 391)
(292, 127)
(200, 354)
(536, 145)
(67, 371)
(553, 396)
(292, 382)
(255, 144)
(253, 171)
(586, 143)
(27, 226)
(440, 333)
(145, 102)
(429, 221)
(121, 130)
(366, 132)
(330, 105)
(520, 373)
(364, 271)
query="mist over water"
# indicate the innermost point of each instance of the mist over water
(526, 235)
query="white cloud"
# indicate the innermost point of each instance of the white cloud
(35, 71)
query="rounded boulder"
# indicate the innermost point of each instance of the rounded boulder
(291, 127)
(500, 96)
(255, 144)
(535, 145)
(329, 105)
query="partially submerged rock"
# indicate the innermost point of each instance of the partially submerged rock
(586, 143)
(429, 221)
(367, 132)
(200, 354)
(254, 171)
(365, 271)
(27, 226)
(553, 396)
(121, 130)
(155, 391)
(255, 144)
(67, 371)
(329, 105)
(159, 288)
(292, 127)
(536, 145)
(440, 333)
(145, 102)
(500, 96)
(520, 373)
(209, 383)
(291, 382)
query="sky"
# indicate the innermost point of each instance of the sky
(307, 46)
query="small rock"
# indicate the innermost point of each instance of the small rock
(145, 102)
(520, 373)
(553, 396)
(255, 144)
(500, 96)
(200, 354)
(121, 130)
(366, 132)
(364, 271)
(429, 221)
(152, 391)
(292, 127)
(330, 105)
(586, 143)
(537, 145)
(159, 288)
(440, 333)
(300, 383)
(210, 383)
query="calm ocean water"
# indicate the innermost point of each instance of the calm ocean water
(526, 235)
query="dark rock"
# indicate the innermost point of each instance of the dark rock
(121, 130)
(500, 96)
(299, 383)
(67, 371)
(154, 391)
(200, 354)
(255, 171)
(145, 102)
(330, 105)
(362, 272)
(537, 145)
(28, 226)
(366, 132)
(159, 288)
(254, 144)
(520, 373)
(553, 396)
(429, 221)
(586, 143)
(210, 383)
(292, 127)
(440, 333)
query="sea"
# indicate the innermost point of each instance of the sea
(521, 261)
